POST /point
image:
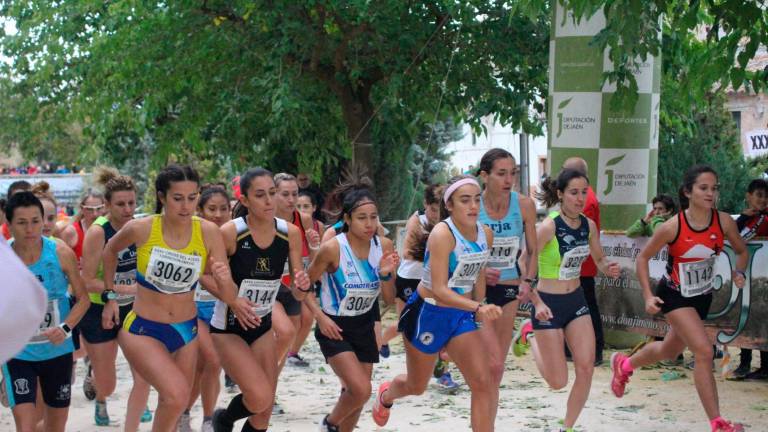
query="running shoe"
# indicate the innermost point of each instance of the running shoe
(326, 427)
(207, 426)
(384, 351)
(619, 379)
(446, 382)
(520, 342)
(88, 388)
(741, 372)
(381, 411)
(295, 360)
(3, 393)
(100, 415)
(219, 423)
(441, 367)
(146, 416)
(759, 374)
(725, 426)
(184, 425)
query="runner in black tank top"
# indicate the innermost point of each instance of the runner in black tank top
(258, 245)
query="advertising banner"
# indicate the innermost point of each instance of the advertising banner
(620, 146)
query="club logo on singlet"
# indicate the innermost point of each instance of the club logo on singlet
(262, 264)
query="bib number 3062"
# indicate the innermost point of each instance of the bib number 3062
(173, 272)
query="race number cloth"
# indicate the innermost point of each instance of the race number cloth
(354, 287)
(507, 235)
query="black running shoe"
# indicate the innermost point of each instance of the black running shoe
(219, 423)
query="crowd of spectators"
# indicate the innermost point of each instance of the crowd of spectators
(45, 168)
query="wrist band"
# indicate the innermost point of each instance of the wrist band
(741, 272)
(386, 277)
(306, 290)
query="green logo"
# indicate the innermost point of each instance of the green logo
(609, 173)
(560, 106)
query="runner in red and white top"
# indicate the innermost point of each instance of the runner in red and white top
(695, 239)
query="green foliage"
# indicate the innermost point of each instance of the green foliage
(733, 31)
(289, 84)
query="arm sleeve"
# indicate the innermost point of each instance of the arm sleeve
(637, 229)
(22, 304)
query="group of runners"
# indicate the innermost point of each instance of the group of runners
(201, 285)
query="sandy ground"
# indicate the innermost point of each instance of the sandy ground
(526, 404)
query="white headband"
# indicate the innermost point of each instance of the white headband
(452, 188)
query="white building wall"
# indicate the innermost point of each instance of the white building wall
(468, 151)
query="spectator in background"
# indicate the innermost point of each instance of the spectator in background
(589, 269)
(305, 185)
(663, 208)
(753, 222)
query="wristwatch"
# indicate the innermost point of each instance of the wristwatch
(108, 295)
(65, 327)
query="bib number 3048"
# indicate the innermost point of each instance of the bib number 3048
(358, 301)
(172, 272)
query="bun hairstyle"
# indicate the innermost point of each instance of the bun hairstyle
(21, 199)
(42, 190)
(18, 186)
(112, 182)
(547, 194)
(171, 174)
(689, 179)
(350, 182)
(491, 156)
(245, 185)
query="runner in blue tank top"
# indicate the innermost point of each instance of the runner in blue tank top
(512, 218)
(47, 358)
(356, 267)
(446, 305)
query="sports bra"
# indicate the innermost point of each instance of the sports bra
(171, 271)
(465, 261)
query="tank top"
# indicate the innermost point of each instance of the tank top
(507, 238)
(78, 249)
(255, 271)
(48, 271)
(6, 231)
(352, 289)
(465, 262)
(562, 257)
(170, 271)
(286, 277)
(412, 269)
(692, 255)
(125, 274)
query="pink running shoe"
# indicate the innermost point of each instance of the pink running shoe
(381, 411)
(520, 342)
(619, 379)
(724, 426)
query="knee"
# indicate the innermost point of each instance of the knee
(284, 332)
(584, 369)
(480, 383)
(702, 351)
(257, 400)
(177, 397)
(557, 381)
(209, 361)
(497, 371)
(360, 392)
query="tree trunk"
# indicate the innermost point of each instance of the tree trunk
(357, 111)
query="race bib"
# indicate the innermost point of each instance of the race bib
(261, 292)
(51, 319)
(696, 277)
(570, 265)
(467, 270)
(358, 301)
(125, 278)
(203, 295)
(504, 252)
(173, 272)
